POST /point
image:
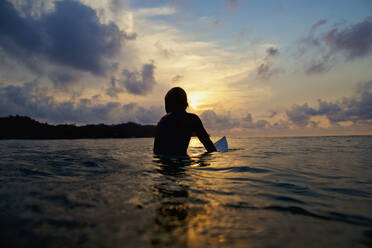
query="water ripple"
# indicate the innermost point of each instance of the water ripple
(346, 191)
(235, 169)
(330, 216)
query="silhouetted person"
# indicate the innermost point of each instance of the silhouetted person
(174, 130)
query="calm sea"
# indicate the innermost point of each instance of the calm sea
(264, 192)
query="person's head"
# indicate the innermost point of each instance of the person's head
(176, 100)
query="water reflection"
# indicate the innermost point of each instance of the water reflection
(179, 206)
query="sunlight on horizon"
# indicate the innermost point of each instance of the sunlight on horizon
(196, 99)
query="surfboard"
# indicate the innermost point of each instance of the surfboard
(221, 145)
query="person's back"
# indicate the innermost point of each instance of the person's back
(174, 130)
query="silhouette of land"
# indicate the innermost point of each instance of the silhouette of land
(23, 127)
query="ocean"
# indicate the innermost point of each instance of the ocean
(264, 192)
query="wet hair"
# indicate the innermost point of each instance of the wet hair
(176, 100)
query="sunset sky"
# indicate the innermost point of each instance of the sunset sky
(250, 68)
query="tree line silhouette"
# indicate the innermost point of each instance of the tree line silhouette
(23, 127)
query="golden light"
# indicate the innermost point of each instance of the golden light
(195, 99)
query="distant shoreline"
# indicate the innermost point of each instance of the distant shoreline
(23, 127)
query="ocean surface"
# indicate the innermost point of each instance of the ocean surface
(264, 192)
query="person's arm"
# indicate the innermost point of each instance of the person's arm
(203, 136)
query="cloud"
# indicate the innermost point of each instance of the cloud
(316, 25)
(117, 5)
(133, 82)
(134, 112)
(71, 36)
(360, 106)
(272, 114)
(281, 124)
(177, 79)
(34, 8)
(62, 79)
(139, 83)
(319, 66)
(354, 41)
(167, 53)
(248, 122)
(300, 114)
(322, 61)
(32, 100)
(217, 122)
(311, 40)
(213, 121)
(160, 11)
(355, 109)
(272, 51)
(265, 70)
(114, 90)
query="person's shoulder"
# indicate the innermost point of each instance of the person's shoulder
(164, 118)
(193, 117)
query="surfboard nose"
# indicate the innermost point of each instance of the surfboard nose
(221, 145)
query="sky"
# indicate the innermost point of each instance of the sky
(250, 68)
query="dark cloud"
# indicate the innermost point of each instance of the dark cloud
(248, 118)
(272, 51)
(272, 114)
(139, 83)
(322, 62)
(114, 90)
(134, 112)
(319, 66)
(62, 79)
(133, 82)
(335, 112)
(300, 114)
(263, 71)
(71, 36)
(354, 41)
(214, 121)
(357, 108)
(281, 124)
(266, 70)
(249, 123)
(34, 8)
(32, 100)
